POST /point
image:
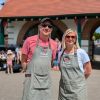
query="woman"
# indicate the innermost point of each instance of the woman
(75, 68)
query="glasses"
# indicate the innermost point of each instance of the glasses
(45, 25)
(73, 37)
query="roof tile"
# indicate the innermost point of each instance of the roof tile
(14, 8)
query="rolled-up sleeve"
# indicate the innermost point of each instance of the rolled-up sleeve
(25, 48)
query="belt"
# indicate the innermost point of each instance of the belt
(27, 75)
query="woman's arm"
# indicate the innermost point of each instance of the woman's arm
(87, 69)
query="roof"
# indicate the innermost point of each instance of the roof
(38, 8)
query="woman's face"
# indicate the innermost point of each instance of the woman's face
(70, 39)
(45, 29)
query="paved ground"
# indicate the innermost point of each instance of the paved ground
(11, 86)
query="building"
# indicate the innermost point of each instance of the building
(19, 19)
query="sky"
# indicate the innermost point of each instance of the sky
(98, 30)
(2, 1)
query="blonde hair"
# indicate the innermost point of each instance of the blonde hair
(66, 33)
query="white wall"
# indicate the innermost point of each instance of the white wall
(71, 24)
(13, 30)
(15, 26)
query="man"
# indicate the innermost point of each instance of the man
(38, 51)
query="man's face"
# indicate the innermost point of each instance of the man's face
(45, 28)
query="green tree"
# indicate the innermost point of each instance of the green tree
(96, 35)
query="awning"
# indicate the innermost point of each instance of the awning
(51, 8)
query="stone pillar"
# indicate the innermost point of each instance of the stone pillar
(78, 24)
(1, 33)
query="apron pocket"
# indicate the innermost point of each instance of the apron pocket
(41, 81)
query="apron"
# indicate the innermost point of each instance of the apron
(72, 83)
(37, 85)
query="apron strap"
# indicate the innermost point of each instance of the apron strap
(75, 53)
(37, 42)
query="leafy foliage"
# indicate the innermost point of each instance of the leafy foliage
(96, 35)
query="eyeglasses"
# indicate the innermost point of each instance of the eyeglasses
(45, 25)
(73, 37)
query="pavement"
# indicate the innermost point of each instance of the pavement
(11, 86)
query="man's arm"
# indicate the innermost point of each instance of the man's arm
(24, 62)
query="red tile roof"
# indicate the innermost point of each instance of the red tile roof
(37, 8)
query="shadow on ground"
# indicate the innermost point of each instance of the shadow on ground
(96, 65)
